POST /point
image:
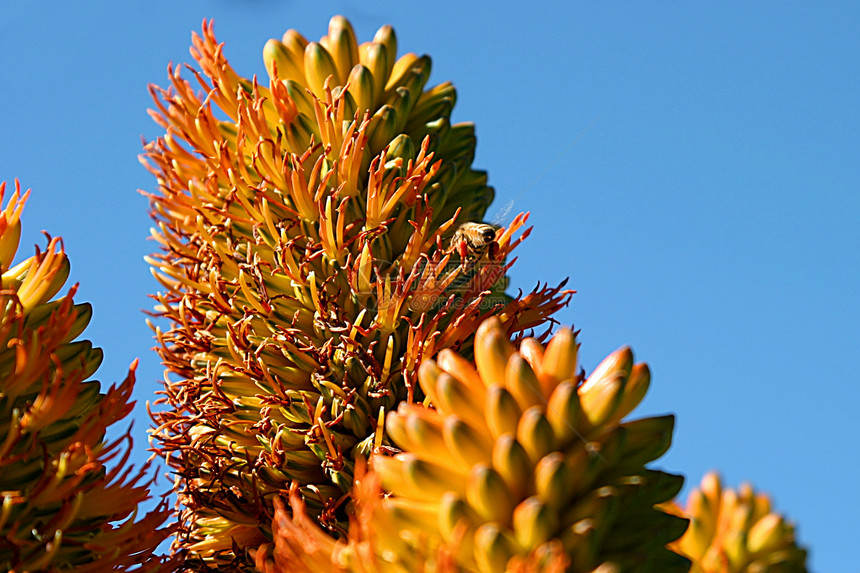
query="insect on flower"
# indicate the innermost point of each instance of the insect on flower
(472, 240)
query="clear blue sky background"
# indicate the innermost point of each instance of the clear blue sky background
(694, 169)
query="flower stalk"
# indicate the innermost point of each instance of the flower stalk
(306, 266)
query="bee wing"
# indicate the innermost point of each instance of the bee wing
(501, 214)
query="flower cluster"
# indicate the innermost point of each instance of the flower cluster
(69, 498)
(307, 262)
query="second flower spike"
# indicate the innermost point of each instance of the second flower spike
(523, 464)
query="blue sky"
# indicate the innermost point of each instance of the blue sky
(695, 170)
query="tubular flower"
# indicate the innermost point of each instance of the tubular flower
(307, 270)
(62, 507)
(300, 546)
(525, 465)
(736, 532)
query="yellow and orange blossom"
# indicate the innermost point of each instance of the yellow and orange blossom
(520, 464)
(736, 531)
(304, 224)
(68, 499)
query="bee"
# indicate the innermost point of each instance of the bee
(472, 240)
